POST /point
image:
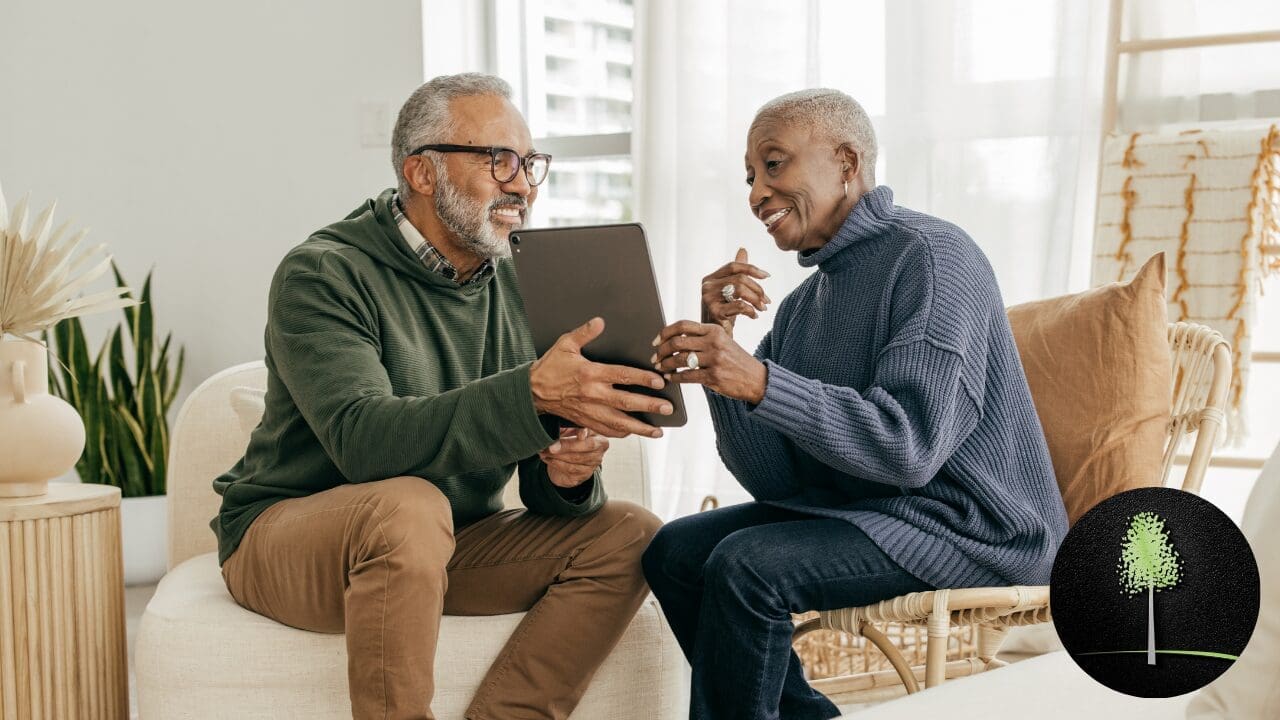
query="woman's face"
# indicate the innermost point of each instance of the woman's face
(797, 185)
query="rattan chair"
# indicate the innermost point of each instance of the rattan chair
(970, 624)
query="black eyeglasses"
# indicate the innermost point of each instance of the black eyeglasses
(504, 162)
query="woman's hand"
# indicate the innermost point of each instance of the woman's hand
(747, 298)
(573, 459)
(722, 364)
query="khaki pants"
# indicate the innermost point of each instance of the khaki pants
(381, 561)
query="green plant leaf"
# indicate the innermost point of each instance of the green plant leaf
(143, 339)
(176, 381)
(145, 392)
(135, 433)
(112, 469)
(55, 370)
(77, 359)
(159, 446)
(130, 311)
(97, 452)
(153, 421)
(162, 366)
(132, 453)
(121, 383)
(60, 351)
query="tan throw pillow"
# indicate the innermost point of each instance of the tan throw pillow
(1098, 366)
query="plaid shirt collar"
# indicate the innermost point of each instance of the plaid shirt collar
(430, 256)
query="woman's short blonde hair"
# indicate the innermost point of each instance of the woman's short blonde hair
(833, 116)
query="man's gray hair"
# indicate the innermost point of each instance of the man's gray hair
(425, 117)
(832, 116)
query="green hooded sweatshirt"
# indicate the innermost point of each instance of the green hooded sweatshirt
(378, 367)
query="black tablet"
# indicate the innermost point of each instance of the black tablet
(569, 275)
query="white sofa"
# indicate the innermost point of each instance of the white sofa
(200, 655)
(1047, 687)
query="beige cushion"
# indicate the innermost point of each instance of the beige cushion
(249, 404)
(1248, 688)
(1098, 366)
(200, 655)
(1049, 687)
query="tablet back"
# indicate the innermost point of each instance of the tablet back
(569, 275)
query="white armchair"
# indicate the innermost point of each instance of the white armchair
(200, 655)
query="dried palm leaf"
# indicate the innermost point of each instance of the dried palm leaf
(42, 274)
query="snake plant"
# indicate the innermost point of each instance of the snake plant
(123, 397)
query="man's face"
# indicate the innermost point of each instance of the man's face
(474, 206)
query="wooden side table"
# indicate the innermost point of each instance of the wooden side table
(62, 638)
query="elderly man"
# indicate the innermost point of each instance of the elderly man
(403, 390)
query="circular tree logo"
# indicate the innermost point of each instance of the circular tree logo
(1175, 605)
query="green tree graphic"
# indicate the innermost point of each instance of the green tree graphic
(1148, 562)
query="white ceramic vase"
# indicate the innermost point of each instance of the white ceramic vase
(41, 436)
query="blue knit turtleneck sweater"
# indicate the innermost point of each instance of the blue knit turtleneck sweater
(896, 401)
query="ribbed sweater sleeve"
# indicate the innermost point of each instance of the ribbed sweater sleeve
(326, 351)
(542, 497)
(899, 431)
(758, 455)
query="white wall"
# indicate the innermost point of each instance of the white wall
(202, 138)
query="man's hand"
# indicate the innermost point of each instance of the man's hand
(568, 385)
(573, 459)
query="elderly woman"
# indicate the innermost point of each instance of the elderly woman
(884, 426)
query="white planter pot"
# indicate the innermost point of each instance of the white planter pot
(144, 527)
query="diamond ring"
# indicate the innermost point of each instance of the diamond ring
(691, 361)
(727, 292)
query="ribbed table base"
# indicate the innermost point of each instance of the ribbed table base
(62, 638)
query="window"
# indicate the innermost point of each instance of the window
(560, 70)
(562, 29)
(619, 76)
(1197, 85)
(618, 37)
(570, 63)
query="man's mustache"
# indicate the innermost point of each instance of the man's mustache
(513, 200)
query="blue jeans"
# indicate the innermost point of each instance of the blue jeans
(728, 581)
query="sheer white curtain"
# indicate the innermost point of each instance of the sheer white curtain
(987, 112)
(1199, 86)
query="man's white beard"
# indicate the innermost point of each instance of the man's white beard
(469, 220)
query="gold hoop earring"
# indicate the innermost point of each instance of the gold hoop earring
(846, 188)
